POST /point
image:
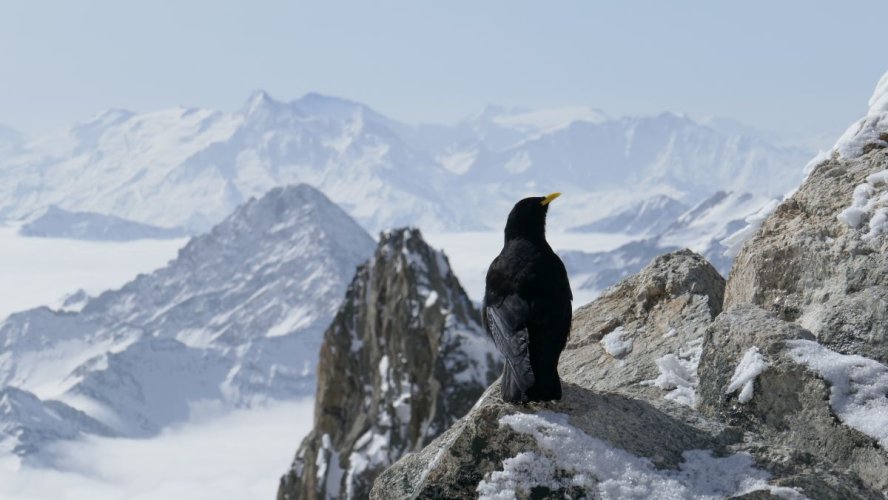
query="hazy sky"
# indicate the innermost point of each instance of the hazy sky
(798, 67)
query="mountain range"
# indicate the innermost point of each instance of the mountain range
(185, 167)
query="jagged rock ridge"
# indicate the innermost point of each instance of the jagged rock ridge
(404, 357)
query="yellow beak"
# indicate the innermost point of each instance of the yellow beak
(548, 199)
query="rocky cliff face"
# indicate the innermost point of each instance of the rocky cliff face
(404, 358)
(779, 390)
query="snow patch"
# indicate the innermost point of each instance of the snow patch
(869, 199)
(678, 373)
(614, 344)
(744, 376)
(570, 458)
(858, 386)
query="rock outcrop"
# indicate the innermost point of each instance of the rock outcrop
(403, 359)
(779, 390)
(632, 423)
(809, 266)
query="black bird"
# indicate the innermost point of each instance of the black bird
(527, 307)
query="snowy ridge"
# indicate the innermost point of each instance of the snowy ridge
(237, 317)
(871, 130)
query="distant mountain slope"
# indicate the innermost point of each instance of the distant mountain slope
(59, 223)
(649, 217)
(192, 167)
(238, 317)
(701, 228)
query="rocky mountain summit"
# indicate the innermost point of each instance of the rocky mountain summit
(404, 357)
(679, 385)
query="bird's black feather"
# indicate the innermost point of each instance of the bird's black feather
(506, 323)
(527, 306)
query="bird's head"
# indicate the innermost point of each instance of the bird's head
(528, 218)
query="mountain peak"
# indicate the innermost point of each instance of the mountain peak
(408, 345)
(258, 101)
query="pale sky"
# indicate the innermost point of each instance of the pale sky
(796, 67)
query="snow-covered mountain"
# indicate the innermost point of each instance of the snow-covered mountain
(702, 228)
(648, 217)
(59, 223)
(192, 167)
(237, 317)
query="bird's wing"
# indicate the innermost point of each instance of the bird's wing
(507, 324)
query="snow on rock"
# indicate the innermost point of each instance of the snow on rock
(871, 130)
(216, 323)
(614, 344)
(571, 461)
(751, 365)
(678, 372)
(858, 386)
(869, 200)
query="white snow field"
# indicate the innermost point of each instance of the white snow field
(42, 271)
(231, 456)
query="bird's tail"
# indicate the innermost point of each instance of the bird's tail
(515, 384)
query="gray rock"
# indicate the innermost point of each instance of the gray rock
(665, 309)
(790, 406)
(807, 266)
(403, 359)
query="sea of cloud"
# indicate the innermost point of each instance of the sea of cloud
(217, 455)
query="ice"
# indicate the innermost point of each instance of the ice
(751, 366)
(568, 457)
(858, 386)
(614, 344)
